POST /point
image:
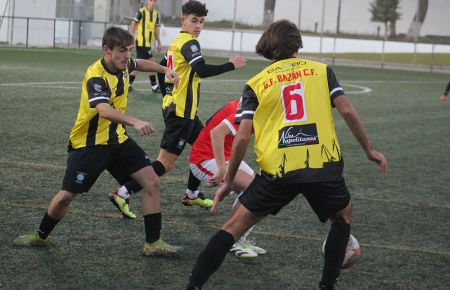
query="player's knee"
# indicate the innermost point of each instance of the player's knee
(65, 197)
(152, 184)
(343, 215)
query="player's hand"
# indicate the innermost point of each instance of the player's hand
(144, 128)
(172, 76)
(159, 47)
(238, 61)
(379, 159)
(224, 190)
(218, 176)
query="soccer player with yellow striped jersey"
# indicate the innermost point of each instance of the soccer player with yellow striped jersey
(146, 25)
(98, 142)
(289, 105)
(180, 103)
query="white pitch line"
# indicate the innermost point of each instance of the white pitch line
(61, 86)
(364, 90)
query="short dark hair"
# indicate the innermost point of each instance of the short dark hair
(280, 40)
(117, 36)
(194, 7)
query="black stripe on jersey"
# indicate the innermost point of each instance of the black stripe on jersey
(113, 136)
(92, 131)
(120, 86)
(189, 96)
(151, 16)
(198, 94)
(143, 28)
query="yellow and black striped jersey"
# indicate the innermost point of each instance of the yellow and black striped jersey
(290, 102)
(147, 22)
(100, 86)
(183, 53)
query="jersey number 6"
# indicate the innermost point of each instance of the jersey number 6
(293, 102)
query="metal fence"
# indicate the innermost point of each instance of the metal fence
(52, 32)
(69, 33)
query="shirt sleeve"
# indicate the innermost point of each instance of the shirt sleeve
(132, 65)
(247, 106)
(98, 91)
(138, 16)
(333, 85)
(207, 70)
(192, 52)
(230, 123)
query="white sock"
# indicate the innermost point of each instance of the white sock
(244, 237)
(192, 194)
(123, 192)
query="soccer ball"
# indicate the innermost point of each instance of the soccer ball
(352, 253)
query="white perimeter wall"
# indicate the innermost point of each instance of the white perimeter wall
(246, 41)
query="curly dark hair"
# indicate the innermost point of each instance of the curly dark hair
(280, 40)
(117, 36)
(194, 7)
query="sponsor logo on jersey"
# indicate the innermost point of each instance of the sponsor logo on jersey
(298, 135)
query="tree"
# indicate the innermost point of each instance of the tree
(417, 22)
(386, 11)
(269, 8)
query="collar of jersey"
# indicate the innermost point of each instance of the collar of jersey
(108, 71)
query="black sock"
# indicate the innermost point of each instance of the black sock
(47, 225)
(334, 253)
(193, 182)
(132, 186)
(132, 77)
(159, 168)
(210, 259)
(152, 79)
(152, 224)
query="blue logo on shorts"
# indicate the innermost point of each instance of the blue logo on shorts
(81, 176)
(181, 144)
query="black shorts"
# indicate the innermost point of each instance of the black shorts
(144, 52)
(179, 131)
(265, 196)
(86, 164)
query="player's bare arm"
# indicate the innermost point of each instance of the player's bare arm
(218, 135)
(150, 66)
(111, 114)
(158, 40)
(240, 145)
(133, 27)
(351, 117)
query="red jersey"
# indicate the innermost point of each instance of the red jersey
(202, 148)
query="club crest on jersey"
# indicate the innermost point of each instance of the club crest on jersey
(194, 48)
(298, 135)
(98, 88)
